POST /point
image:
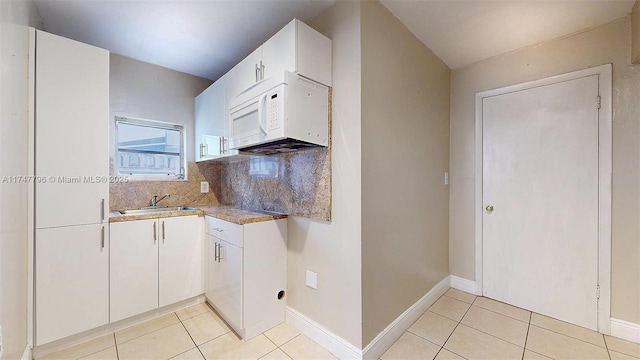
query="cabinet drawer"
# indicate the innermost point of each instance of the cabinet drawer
(225, 230)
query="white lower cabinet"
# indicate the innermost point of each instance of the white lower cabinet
(181, 256)
(153, 263)
(72, 280)
(247, 273)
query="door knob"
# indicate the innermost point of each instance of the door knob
(489, 208)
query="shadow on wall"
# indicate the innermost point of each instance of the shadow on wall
(297, 183)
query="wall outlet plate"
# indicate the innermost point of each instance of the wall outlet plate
(312, 280)
(204, 187)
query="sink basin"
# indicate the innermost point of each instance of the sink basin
(150, 209)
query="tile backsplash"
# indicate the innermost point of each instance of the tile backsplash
(297, 183)
(137, 194)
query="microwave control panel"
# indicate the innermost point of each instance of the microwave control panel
(273, 111)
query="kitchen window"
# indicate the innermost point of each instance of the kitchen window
(150, 150)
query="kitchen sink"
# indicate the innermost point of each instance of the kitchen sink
(155, 209)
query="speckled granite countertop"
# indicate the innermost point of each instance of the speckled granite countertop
(115, 216)
(227, 213)
(239, 216)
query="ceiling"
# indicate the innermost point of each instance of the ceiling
(207, 37)
(462, 32)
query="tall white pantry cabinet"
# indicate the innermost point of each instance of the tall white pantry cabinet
(71, 190)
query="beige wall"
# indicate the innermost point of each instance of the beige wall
(609, 43)
(635, 35)
(14, 111)
(147, 91)
(332, 250)
(405, 152)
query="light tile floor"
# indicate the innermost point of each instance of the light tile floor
(457, 326)
(195, 333)
(462, 326)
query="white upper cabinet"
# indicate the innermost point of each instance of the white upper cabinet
(71, 132)
(300, 49)
(211, 123)
(244, 74)
(296, 47)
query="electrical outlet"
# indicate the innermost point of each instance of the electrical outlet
(204, 187)
(446, 178)
(312, 279)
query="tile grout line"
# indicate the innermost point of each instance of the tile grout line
(137, 337)
(190, 337)
(524, 348)
(454, 329)
(281, 349)
(574, 338)
(509, 316)
(606, 346)
(116, 345)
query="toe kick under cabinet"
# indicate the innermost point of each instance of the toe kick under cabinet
(247, 273)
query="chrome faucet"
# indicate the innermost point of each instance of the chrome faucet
(155, 201)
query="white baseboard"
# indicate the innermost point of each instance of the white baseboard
(625, 330)
(323, 336)
(464, 285)
(57, 345)
(345, 350)
(26, 355)
(393, 331)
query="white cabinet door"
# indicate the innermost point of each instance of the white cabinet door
(243, 75)
(212, 267)
(134, 268)
(71, 132)
(210, 121)
(181, 250)
(279, 52)
(301, 49)
(72, 280)
(228, 296)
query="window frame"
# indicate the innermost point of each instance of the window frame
(183, 176)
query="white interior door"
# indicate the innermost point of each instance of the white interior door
(540, 199)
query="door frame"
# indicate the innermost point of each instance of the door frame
(604, 179)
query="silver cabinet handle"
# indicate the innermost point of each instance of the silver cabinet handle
(489, 208)
(257, 73)
(220, 252)
(102, 209)
(215, 256)
(261, 71)
(163, 232)
(220, 144)
(102, 239)
(218, 229)
(201, 146)
(155, 236)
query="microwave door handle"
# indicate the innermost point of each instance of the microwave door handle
(261, 113)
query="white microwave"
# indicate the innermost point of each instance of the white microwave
(283, 113)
